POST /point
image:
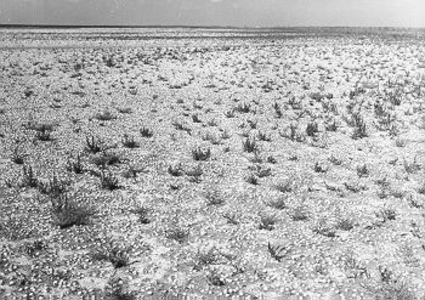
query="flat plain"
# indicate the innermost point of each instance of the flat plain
(212, 163)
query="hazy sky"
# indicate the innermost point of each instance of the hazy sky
(405, 13)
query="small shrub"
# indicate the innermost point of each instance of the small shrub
(215, 140)
(250, 145)
(44, 133)
(18, 156)
(216, 279)
(345, 224)
(322, 227)
(107, 159)
(214, 197)
(146, 132)
(201, 153)
(178, 234)
(267, 222)
(262, 136)
(231, 218)
(67, 212)
(421, 189)
(230, 113)
(252, 179)
(205, 258)
(106, 115)
(360, 127)
(271, 160)
(277, 252)
(176, 170)
(386, 214)
(277, 110)
(130, 142)
(29, 178)
(75, 165)
(125, 110)
(261, 171)
(286, 186)
(312, 128)
(93, 145)
(243, 108)
(116, 254)
(362, 171)
(196, 119)
(320, 167)
(195, 172)
(411, 167)
(299, 214)
(212, 123)
(54, 186)
(226, 135)
(109, 181)
(142, 212)
(278, 203)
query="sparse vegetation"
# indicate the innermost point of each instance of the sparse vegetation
(137, 166)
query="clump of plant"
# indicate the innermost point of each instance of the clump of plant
(200, 153)
(264, 136)
(196, 119)
(299, 214)
(177, 233)
(231, 218)
(252, 179)
(292, 133)
(44, 132)
(243, 107)
(312, 129)
(324, 228)
(278, 203)
(106, 115)
(386, 214)
(345, 223)
(285, 186)
(29, 178)
(146, 132)
(205, 258)
(109, 181)
(176, 169)
(75, 165)
(278, 252)
(214, 139)
(250, 145)
(195, 174)
(362, 171)
(411, 167)
(18, 155)
(359, 124)
(277, 110)
(267, 222)
(125, 110)
(143, 214)
(130, 142)
(94, 145)
(67, 211)
(214, 197)
(115, 253)
(54, 187)
(320, 167)
(119, 290)
(107, 159)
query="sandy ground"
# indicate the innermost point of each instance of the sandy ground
(327, 203)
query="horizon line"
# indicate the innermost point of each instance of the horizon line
(35, 26)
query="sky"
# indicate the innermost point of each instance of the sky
(251, 13)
